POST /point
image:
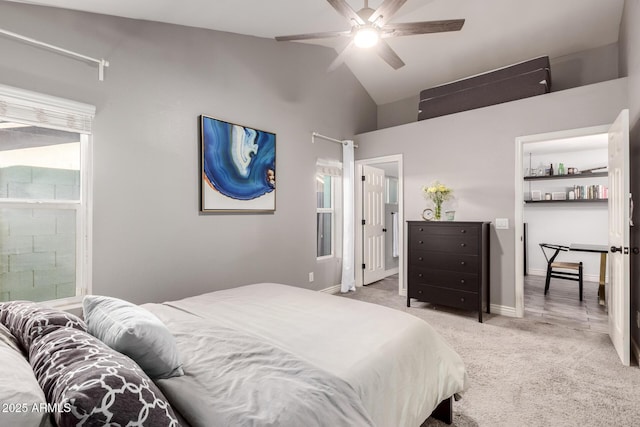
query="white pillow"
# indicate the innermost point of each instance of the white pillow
(22, 399)
(135, 332)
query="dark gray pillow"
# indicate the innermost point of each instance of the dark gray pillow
(28, 320)
(134, 331)
(92, 384)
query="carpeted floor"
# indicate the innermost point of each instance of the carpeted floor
(525, 372)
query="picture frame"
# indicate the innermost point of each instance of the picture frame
(237, 168)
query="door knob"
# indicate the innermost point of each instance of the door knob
(384, 230)
(616, 249)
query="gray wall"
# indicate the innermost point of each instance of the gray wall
(150, 243)
(587, 67)
(399, 112)
(630, 66)
(474, 153)
(579, 69)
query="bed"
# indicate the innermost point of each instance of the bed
(257, 355)
(399, 367)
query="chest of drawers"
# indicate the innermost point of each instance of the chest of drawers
(449, 264)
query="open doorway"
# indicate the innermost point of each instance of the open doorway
(379, 222)
(563, 190)
(616, 294)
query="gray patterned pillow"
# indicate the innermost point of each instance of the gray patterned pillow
(92, 384)
(28, 320)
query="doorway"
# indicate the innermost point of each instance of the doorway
(379, 221)
(535, 190)
(617, 198)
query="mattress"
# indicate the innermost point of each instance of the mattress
(517, 81)
(399, 367)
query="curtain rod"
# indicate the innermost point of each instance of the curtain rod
(101, 62)
(337, 141)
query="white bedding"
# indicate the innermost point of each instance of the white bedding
(396, 363)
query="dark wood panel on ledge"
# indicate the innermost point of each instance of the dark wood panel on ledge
(569, 201)
(573, 176)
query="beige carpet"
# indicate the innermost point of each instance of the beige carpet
(524, 372)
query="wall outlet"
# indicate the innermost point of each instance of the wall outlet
(502, 223)
(311, 277)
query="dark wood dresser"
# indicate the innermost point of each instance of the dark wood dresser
(449, 264)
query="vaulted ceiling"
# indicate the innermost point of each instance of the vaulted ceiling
(496, 33)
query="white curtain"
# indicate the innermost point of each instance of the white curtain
(348, 226)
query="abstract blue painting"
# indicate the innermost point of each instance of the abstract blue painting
(238, 167)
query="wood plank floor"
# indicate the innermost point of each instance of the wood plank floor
(561, 306)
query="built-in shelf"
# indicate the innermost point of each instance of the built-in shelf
(573, 176)
(569, 201)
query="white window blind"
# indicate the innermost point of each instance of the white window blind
(329, 168)
(18, 105)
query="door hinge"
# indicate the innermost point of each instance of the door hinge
(363, 178)
(626, 251)
(364, 222)
(364, 266)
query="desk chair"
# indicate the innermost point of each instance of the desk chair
(558, 269)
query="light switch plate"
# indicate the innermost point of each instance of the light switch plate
(502, 223)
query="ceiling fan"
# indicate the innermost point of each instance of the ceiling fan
(370, 28)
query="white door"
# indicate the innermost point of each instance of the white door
(373, 227)
(618, 296)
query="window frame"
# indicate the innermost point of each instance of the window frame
(39, 110)
(332, 211)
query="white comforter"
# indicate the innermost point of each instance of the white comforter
(397, 364)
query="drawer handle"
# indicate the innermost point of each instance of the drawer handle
(420, 258)
(463, 245)
(419, 274)
(462, 281)
(421, 229)
(463, 263)
(419, 292)
(462, 299)
(420, 242)
(463, 231)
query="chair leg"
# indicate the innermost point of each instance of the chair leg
(580, 280)
(546, 283)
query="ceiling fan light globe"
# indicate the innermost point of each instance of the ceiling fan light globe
(366, 37)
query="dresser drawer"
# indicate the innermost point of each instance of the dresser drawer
(443, 229)
(460, 244)
(448, 297)
(444, 279)
(444, 261)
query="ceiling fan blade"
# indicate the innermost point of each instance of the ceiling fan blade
(310, 36)
(341, 56)
(390, 57)
(345, 10)
(386, 11)
(413, 28)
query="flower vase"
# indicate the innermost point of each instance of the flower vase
(437, 212)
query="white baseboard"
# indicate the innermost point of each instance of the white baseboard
(586, 277)
(503, 310)
(332, 289)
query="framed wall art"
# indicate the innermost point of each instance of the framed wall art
(238, 168)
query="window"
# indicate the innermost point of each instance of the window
(45, 193)
(325, 215)
(326, 177)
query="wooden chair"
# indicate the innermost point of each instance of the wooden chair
(558, 269)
